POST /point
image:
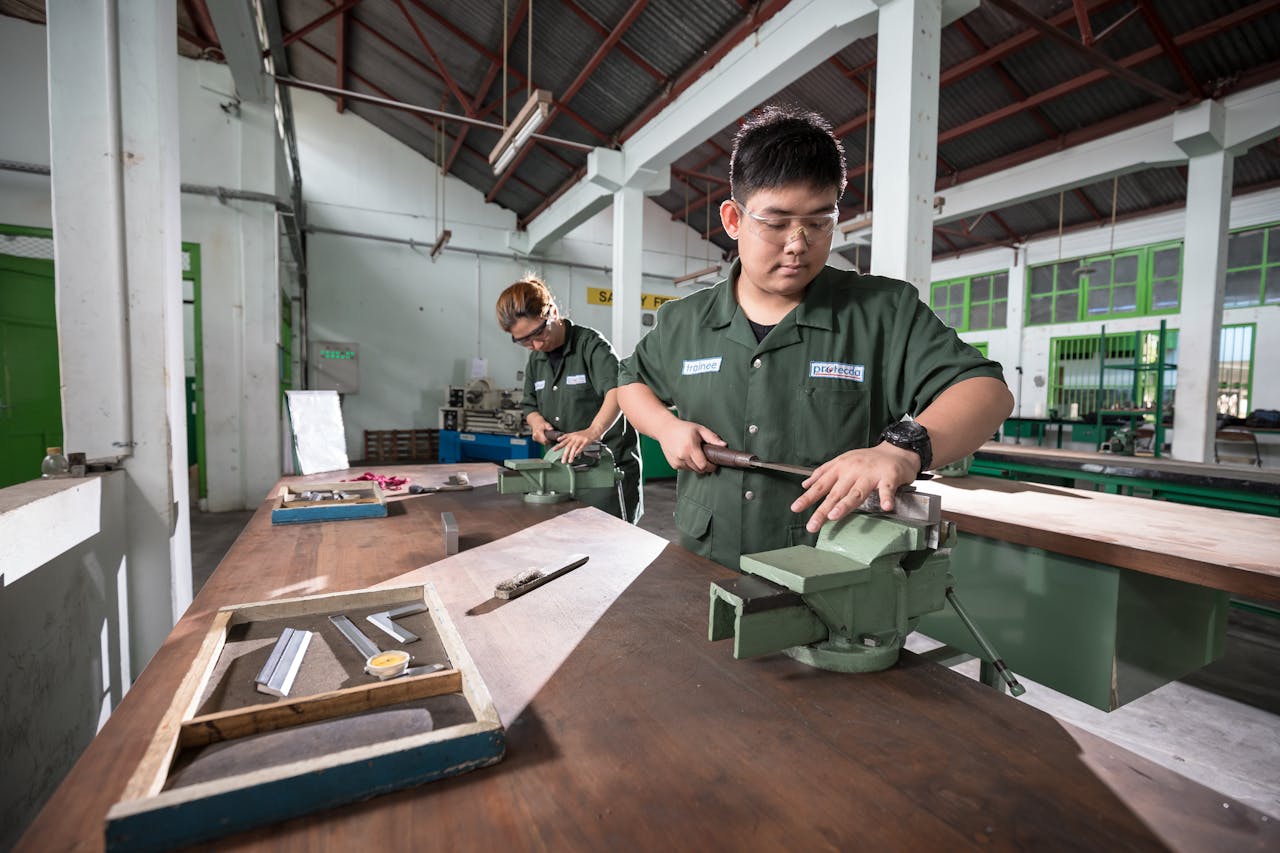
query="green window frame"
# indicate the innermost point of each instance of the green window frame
(1137, 282)
(972, 303)
(1253, 267)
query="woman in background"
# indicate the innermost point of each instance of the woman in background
(570, 385)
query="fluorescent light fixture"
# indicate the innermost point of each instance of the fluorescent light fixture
(441, 242)
(531, 117)
(692, 278)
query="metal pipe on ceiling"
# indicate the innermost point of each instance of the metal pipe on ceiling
(486, 253)
(220, 193)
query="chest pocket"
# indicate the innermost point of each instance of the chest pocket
(829, 418)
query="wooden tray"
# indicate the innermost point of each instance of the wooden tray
(290, 508)
(226, 759)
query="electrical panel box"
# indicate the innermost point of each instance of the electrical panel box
(335, 366)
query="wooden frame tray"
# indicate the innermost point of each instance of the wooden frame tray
(290, 508)
(227, 758)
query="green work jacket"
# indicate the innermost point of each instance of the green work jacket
(856, 355)
(570, 398)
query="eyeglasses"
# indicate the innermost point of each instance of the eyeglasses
(779, 230)
(525, 340)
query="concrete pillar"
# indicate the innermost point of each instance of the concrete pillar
(1014, 374)
(628, 249)
(1199, 131)
(113, 107)
(906, 139)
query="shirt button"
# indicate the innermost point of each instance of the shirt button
(557, 420)
(750, 496)
(756, 363)
(753, 429)
(555, 387)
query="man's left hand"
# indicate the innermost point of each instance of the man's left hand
(843, 483)
(572, 443)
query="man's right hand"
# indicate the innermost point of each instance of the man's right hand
(682, 445)
(538, 430)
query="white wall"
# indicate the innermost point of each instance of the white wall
(418, 322)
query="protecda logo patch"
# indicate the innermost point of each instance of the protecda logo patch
(836, 370)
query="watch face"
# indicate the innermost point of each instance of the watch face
(907, 431)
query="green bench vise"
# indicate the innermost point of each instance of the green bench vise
(551, 480)
(849, 603)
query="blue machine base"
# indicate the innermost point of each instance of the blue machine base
(458, 446)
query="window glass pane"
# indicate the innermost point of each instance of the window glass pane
(1273, 246)
(1100, 273)
(1167, 262)
(1124, 297)
(1126, 268)
(999, 313)
(1243, 287)
(955, 317)
(1244, 249)
(980, 289)
(1272, 294)
(957, 293)
(1041, 280)
(1164, 294)
(1066, 307)
(1002, 284)
(1099, 300)
(938, 296)
(1067, 274)
(980, 316)
(1039, 309)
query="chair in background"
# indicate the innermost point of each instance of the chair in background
(1239, 444)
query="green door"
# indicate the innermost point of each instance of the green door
(30, 402)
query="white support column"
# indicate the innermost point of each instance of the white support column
(260, 415)
(1013, 364)
(628, 250)
(1200, 132)
(906, 139)
(122, 229)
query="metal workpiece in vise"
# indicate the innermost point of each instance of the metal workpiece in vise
(848, 603)
(551, 479)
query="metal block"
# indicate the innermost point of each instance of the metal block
(281, 668)
(355, 636)
(450, 527)
(385, 621)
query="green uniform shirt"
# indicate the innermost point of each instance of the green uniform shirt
(854, 356)
(571, 397)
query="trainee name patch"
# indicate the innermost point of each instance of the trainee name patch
(694, 366)
(836, 370)
(576, 379)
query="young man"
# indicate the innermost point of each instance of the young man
(798, 362)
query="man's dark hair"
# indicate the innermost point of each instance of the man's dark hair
(782, 145)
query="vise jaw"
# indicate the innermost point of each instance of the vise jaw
(551, 480)
(848, 603)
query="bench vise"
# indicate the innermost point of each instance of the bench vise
(849, 603)
(551, 479)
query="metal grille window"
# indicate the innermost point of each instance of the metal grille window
(1077, 374)
(972, 304)
(1235, 370)
(1253, 267)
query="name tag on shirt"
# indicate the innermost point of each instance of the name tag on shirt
(576, 379)
(694, 366)
(836, 370)
(539, 384)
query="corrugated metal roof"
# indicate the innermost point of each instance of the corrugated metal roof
(670, 38)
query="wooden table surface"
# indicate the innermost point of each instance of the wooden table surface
(628, 729)
(1233, 551)
(1225, 476)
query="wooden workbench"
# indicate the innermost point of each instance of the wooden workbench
(1207, 473)
(627, 729)
(1231, 551)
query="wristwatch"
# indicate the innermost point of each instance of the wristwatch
(910, 435)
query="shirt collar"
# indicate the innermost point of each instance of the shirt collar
(816, 310)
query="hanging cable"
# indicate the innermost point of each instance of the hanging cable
(1115, 194)
(504, 63)
(528, 77)
(866, 154)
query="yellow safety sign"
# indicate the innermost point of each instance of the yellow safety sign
(648, 301)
